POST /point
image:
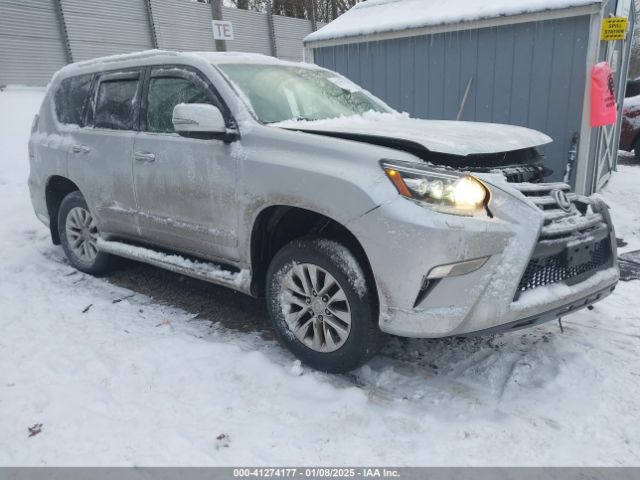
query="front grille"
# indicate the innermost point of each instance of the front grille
(522, 173)
(561, 231)
(553, 269)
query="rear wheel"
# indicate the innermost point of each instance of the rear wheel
(79, 235)
(320, 305)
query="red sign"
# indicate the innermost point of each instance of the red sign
(604, 110)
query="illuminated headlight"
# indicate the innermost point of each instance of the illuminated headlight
(459, 194)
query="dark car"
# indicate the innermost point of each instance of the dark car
(630, 129)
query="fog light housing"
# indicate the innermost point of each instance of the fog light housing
(456, 269)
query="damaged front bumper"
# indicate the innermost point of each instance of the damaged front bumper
(538, 262)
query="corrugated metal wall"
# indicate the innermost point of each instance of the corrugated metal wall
(530, 74)
(31, 46)
(289, 35)
(183, 25)
(251, 31)
(97, 28)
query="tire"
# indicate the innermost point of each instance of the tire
(636, 149)
(346, 335)
(78, 236)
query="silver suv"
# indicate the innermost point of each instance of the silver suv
(289, 181)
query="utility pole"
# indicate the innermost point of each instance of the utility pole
(314, 25)
(216, 14)
(272, 29)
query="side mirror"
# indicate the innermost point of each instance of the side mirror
(198, 118)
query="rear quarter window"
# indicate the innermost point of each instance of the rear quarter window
(71, 98)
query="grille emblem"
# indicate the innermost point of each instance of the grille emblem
(562, 200)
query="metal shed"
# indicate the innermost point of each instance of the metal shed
(525, 62)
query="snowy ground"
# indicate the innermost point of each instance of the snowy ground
(154, 373)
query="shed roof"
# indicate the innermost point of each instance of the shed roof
(380, 16)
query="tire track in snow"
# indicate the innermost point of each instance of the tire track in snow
(474, 370)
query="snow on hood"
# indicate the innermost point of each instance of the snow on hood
(376, 16)
(632, 103)
(441, 136)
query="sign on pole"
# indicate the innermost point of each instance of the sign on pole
(614, 28)
(222, 30)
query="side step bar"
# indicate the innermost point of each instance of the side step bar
(207, 271)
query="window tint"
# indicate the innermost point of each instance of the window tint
(164, 94)
(70, 99)
(115, 104)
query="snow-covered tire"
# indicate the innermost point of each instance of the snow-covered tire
(636, 149)
(78, 236)
(321, 305)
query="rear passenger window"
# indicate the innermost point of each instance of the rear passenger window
(115, 104)
(70, 99)
(164, 94)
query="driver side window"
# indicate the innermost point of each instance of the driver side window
(164, 94)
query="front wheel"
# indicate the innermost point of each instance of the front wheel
(321, 307)
(79, 235)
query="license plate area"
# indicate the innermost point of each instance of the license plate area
(579, 253)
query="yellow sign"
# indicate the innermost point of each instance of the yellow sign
(614, 28)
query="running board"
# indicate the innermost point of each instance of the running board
(201, 270)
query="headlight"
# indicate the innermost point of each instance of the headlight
(448, 192)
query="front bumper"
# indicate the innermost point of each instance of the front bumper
(404, 241)
(552, 314)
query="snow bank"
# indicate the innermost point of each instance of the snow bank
(377, 16)
(622, 194)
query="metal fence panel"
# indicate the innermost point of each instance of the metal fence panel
(31, 46)
(250, 29)
(289, 35)
(97, 28)
(183, 25)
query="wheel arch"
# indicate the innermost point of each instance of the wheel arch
(57, 188)
(277, 225)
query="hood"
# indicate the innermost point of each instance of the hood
(440, 136)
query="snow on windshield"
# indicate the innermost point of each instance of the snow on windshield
(277, 93)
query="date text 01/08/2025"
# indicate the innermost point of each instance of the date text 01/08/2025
(315, 472)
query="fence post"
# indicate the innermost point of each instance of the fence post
(272, 29)
(152, 25)
(314, 24)
(57, 4)
(216, 13)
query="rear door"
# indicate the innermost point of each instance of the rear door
(101, 152)
(185, 187)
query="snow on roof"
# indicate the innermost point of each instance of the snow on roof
(146, 56)
(211, 57)
(377, 16)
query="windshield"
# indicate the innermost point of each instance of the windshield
(278, 93)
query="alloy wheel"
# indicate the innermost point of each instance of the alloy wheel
(82, 234)
(315, 308)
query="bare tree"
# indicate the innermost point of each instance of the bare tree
(325, 10)
(634, 63)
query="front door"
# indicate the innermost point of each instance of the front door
(185, 187)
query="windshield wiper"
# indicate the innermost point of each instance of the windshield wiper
(297, 119)
(304, 119)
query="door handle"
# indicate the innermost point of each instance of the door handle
(80, 149)
(144, 157)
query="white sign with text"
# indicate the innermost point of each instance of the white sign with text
(222, 30)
